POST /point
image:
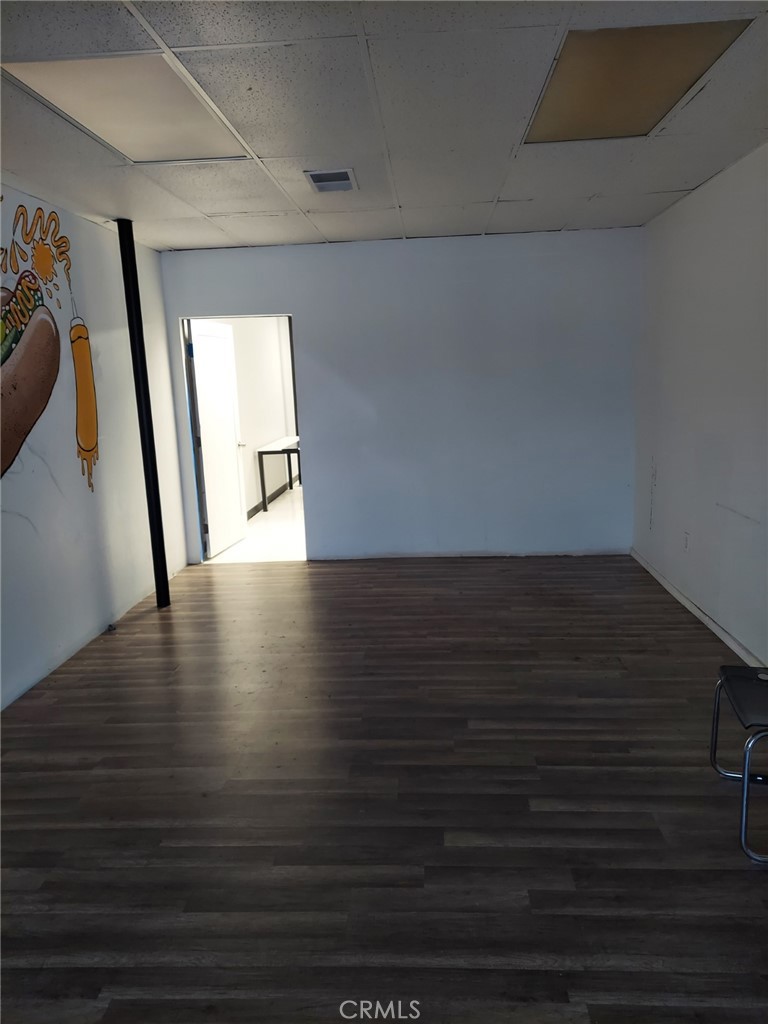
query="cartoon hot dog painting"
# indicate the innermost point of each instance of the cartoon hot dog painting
(87, 428)
(30, 343)
(30, 363)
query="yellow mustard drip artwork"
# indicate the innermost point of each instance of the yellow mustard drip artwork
(37, 266)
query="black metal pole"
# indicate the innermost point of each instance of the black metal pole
(146, 430)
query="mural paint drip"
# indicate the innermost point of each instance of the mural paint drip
(30, 343)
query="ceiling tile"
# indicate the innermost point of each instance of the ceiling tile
(670, 163)
(233, 187)
(433, 221)
(288, 100)
(64, 164)
(36, 138)
(196, 233)
(533, 215)
(622, 211)
(35, 31)
(126, 192)
(362, 225)
(622, 82)
(567, 168)
(449, 179)
(213, 24)
(598, 14)
(374, 190)
(460, 92)
(135, 103)
(270, 229)
(735, 95)
(396, 18)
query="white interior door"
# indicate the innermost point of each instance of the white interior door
(213, 351)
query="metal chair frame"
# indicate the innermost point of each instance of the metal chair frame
(746, 776)
(746, 779)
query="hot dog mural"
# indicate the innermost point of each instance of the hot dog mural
(36, 269)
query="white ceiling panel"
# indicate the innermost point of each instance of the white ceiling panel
(213, 24)
(735, 94)
(36, 138)
(567, 168)
(462, 92)
(433, 221)
(374, 191)
(598, 14)
(534, 215)
(36, 31)
(622, 211)
(359, 226)
(398, 18)
(449, 179)
(136, 103)
(288, 100)
(101, 196)
(670, 163)
(49, 154)
(126, 192)
(271, 229)
(197, 233)
(232, 187)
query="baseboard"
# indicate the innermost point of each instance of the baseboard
(737, 648)
(275, 494)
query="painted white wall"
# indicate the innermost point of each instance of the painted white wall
(455, 395)
(702, 432)
(74, 561)
(266, 406)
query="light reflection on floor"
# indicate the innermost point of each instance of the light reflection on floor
(273, 536)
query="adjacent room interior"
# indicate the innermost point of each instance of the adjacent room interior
(241, 395)
(384, 502)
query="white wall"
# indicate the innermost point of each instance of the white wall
(455, 395)
(702, 433)
(266, 409)
(75, 560)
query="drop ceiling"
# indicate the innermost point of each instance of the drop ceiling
(428, 103)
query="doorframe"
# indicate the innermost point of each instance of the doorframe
(197, 444)
(185, 330)
(293, 374)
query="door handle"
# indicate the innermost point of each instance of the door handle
(241, 444)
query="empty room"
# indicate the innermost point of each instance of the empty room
(384, 544)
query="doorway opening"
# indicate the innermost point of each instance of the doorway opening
(244, 423)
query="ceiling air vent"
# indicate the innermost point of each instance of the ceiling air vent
(332, 181)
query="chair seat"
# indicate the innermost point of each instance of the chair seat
(747, 690)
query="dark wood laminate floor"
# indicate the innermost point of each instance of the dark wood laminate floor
(481, 784)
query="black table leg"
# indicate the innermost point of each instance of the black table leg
(290, 470)
(262, 481)
(298, 465)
